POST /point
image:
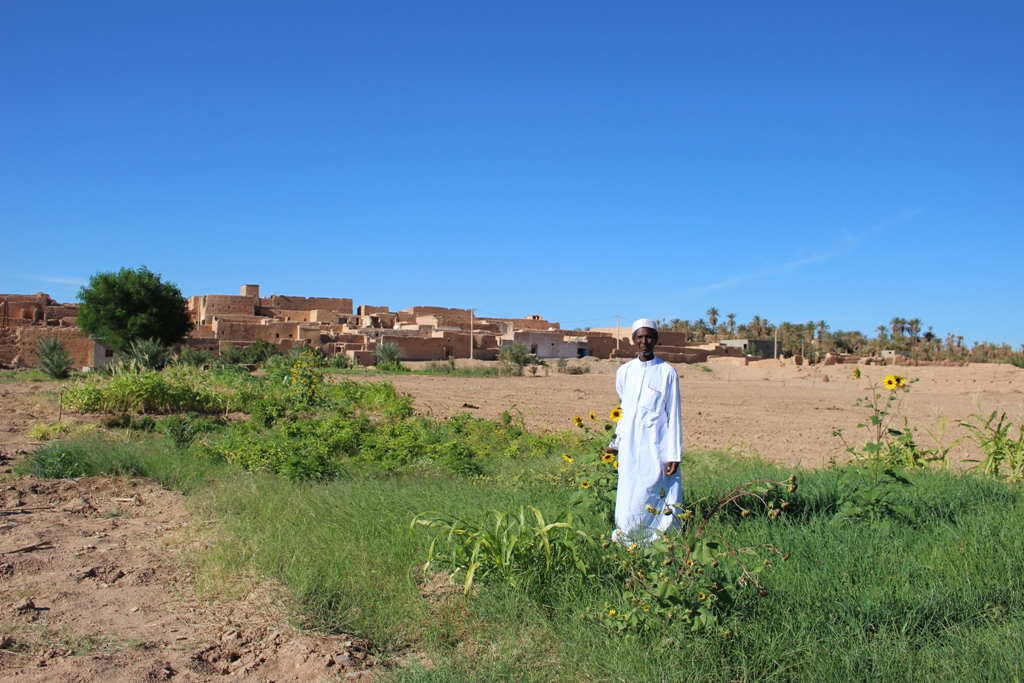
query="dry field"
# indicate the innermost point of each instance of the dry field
(786, 413)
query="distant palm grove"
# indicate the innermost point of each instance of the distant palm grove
(813, 339)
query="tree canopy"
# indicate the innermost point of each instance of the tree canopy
(130, 305)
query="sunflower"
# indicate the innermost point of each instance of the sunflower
(856, 373)
(702, 596)
(652, 510)
(900, 381)
(616, 414)
(612, 613)
(616, 464)
(585, 484)
(578, 421)
(891, 382)
(566, 457)
(607, 457)
(593, 416)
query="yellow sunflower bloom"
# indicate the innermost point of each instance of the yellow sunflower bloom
(616, 464)
(612, 613)
(585, 484)
(593, 416)
(856, 373)
(702, 596)
(616, 414)
(578, 421)
(652, 510)
(891, 383)
(566, 457)
(900, 381)
(607, 457)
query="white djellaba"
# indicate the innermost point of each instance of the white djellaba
(648, 436)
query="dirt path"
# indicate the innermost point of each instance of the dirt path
(785, 413)
(92, 588)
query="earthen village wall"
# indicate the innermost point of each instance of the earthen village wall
(334, 326)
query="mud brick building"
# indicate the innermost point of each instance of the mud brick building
(335, 326)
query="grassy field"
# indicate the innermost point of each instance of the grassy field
(318, 489)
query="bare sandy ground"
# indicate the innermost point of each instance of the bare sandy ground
(93, 588)
(784, 413)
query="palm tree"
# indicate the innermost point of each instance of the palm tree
(881, 330)
(732, 324)
(713, 314)
(756, 326)
(897, 325)
(700, 328)
(914, 327)
(822, 329)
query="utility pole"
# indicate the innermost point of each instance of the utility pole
(471, 334)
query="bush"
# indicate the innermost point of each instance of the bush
(54, 358)
(389, 357)
(183, 429)
(512, 358)
(147, 354)
(195, 357)
(174, 390)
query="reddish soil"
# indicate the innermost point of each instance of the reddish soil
(94, 587)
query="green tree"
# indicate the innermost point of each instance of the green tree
(130, 305)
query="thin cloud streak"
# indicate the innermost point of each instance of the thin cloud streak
(844, 247)
(67, 281)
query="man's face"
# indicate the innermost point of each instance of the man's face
(646, 339)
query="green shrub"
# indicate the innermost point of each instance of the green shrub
(182, 430)
(389, 357)
(175, 390)
(195, 357)
(147, 354)
(54, 358)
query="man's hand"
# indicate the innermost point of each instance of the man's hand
(612, 449)
(670, 468)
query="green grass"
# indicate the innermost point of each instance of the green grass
(938, 600)
(15, 376)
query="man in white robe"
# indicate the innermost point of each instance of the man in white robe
(648, 442)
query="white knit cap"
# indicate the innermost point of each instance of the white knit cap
(644, 322)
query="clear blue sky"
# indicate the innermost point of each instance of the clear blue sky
(845, 161)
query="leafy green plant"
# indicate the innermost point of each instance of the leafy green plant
(868, 493)
(513, 358)
(182, 430)
(306, 380)
(691, 573)
(520, 547)
(389, 357)
(49, 432)
(195, 357)
(54, 358)
(147, 354)
(1000, 448)
(177, 389)
(868, 485)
